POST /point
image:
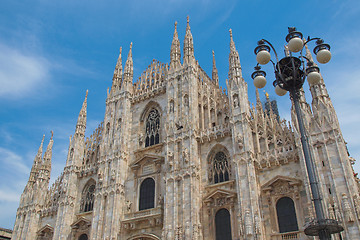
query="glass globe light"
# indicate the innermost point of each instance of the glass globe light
(313, 77)
(263, 57)
(279, 91)
(323, 56)
(295, 44)
(259, 81)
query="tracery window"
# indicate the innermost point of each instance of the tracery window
(220, 168)
(152, 135)
(87, 201)
(223, 225)
(147, 194)
(286, 214)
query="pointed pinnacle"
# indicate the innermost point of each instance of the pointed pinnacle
(257, 96)
(130, 51)
(214, 63)
(42, 141)
(39, 153)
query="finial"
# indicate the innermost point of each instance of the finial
(87, 91)
(52, 134)
(230, 30)
(130, 45)
(120, 50)
(42, 141)
(213, 53)
(175, 24)
(187, 19)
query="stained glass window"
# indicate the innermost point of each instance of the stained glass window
(220, 168)
(152, 135)
(87, 201)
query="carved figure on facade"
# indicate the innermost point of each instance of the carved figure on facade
(257, 228)
(331, 211)
(347, 209)
(357, 205)
(113, 175)
(248, 223)
(141, 139)
(236, 101)
(337, 212)
(128, 206)
(185, 155)
(100, 176)
(170, 159)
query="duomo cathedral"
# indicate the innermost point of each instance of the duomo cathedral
(179, 157)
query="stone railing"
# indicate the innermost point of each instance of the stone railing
(289, 235)
(213, 132)
(143, 219)
(143, 214)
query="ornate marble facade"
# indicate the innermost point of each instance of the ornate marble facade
(178, 157)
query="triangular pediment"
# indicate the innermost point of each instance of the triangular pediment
(218, 193)
(46, 228)
(274, 181)
(81, 221)
(146, 158)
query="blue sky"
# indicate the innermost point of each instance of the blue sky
(51, 52)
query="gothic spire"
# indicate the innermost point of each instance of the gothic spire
(215, 75)
(48, 153)
(81, 123)
(37, 162)
(175, 54)
(117, 73)
(189, 57)
(259, 107)
(234, 62)
(129, 69)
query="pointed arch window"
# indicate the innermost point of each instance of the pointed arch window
(147, 194)
(286, 214)
(83, 237)
(152, 128)
(220, 168)
(87, 200)
(223, 225)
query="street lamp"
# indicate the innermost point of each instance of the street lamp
(290, 74)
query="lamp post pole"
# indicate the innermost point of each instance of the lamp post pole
(290, 73)
(323, 234)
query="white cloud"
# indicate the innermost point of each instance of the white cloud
(9, 196)
(13, 162)
(20, 73)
